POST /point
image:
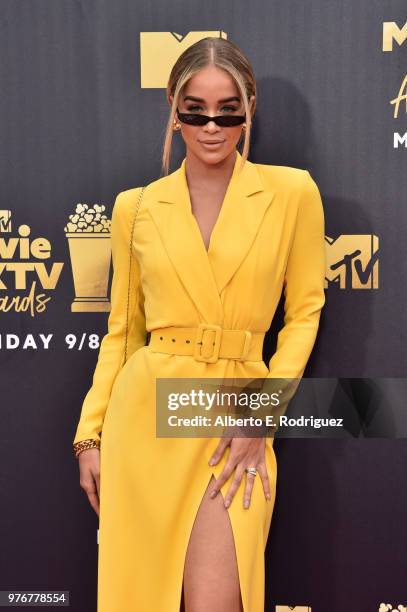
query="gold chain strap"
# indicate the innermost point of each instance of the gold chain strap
(130, 260)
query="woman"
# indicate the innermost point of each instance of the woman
(214, 244)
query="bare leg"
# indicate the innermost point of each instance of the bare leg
(211, 579)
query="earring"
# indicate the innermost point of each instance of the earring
(176, 125)
(243, 126)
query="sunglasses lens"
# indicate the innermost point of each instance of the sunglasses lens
(230, 120)
(192, 119)
(198, 120)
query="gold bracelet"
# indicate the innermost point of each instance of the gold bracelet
(78, 447)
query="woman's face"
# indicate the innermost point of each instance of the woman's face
(211, 91)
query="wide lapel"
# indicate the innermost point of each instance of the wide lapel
(205, 274)
(171, 212)
(244, 206)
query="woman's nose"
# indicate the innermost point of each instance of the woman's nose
(211, 126)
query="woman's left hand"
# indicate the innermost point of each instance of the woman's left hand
(244, 453)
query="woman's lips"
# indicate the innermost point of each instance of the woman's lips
(212, 144)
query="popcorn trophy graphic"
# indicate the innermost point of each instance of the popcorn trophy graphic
(88, 234)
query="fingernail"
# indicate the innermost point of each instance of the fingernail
(227, 503)
(213, 494)
(246, 504)
(268, 496)
(211, 462)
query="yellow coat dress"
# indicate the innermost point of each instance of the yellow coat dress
(268, 238)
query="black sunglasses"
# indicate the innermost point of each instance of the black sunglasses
(221, 120)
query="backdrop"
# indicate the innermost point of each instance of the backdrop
(83, 113)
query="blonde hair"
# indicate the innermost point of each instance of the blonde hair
(219, 52)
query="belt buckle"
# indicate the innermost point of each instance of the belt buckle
(246, 345)
(199, 341)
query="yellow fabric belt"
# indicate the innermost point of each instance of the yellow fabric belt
(208, 342)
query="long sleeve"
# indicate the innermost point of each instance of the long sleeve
(112, 348)
(303, 287)
(304, 298)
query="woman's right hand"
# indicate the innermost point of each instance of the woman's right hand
(89, 467)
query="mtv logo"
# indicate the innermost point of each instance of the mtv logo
(352, 261)
(160, 50)
(391, 33)
(399, 139)
(295, 608)
(5, 220)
